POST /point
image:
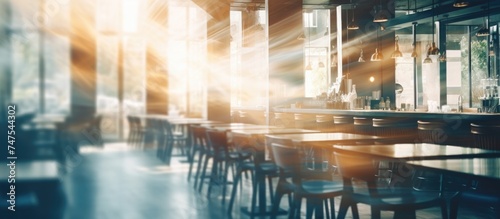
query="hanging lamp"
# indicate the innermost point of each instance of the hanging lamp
(380, 16)
(396, 53)
(485, 31)
(353, 25)
(460, 4)
(433, 49)
(308, 66)
(377, 57)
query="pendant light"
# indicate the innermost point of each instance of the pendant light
(460, 4)
(377, 57)
(485, 30)
(396, 53)
(433, 49)
(308, 66)
(442, 57)
(353, 25)
(321, 64)
(380, 16)
(361, 56)
(414, 53)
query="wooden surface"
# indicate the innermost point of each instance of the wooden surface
(476, 167)
(416, 151)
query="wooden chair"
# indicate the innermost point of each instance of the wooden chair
(403, 201)
(293, 179)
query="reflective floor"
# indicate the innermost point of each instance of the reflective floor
(115, 182)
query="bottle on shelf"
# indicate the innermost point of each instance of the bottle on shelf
(381, 104)
(387, 103)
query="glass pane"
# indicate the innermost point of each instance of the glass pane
(25, 71)
(404, 71)
(107, 16)
(457, 65)
(134, 75)
(316, 52)
(25, 14)
(107, 74)
(478, 67)
(57, 74)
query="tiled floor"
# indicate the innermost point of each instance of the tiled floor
(118, 183)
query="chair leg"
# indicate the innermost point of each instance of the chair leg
(310, 206)
(233, 193)
(213, 176)
(198, 168)
(332, 208)
(344, 206)
(444, 212)
(270, 184)
(191, 162)
(276, 202)
(375, 213)
(203, 173)
(454, 205)
(224, 181)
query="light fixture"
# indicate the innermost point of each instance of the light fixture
(308, 66)
(427, 59)
(380, 16)
(361, 57)
(396, 53)
(433, 49)
(321, 64)
(377, 57)
(491, 49)
(485, 30)
(442, 57)
(414, 53)
(460, 4)
(353, 25)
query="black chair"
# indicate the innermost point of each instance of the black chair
(403, 201)
(482, 192)
(223, 158)
(317, 188)
(259, 168)
(170, 139)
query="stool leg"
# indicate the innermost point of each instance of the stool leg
(234, 189)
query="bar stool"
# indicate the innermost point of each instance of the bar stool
(283, 120)
(396, 127)
(344, 124)
(485, 135)
(325, 123)
(305, 121)
(440, 132)
(362, 125)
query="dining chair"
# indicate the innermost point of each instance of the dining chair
(403, 201)
(480, 191)
(259, 168)
(170, 140)
(224, 157)
(317, 188)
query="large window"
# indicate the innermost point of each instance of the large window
(316, 51)
(40, 56)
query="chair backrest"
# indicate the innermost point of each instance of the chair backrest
(356, 167)
(199, 136)
(288, 159)
(217, 140)
(485, 135)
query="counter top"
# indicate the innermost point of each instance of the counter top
(392, 113)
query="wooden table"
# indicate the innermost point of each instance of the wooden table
(416, 151)
(486, 168)
(423, 155)
(255, 138)
(325, 139)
